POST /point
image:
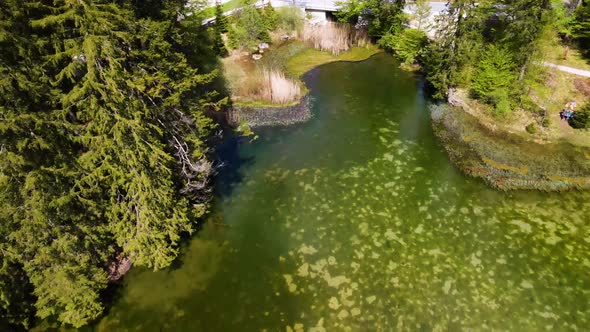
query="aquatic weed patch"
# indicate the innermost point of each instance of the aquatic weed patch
(385, 245)
(506, 161)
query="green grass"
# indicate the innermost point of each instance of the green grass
(310, 58)
(232, 4)
(554, 52)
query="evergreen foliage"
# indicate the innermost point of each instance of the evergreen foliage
(249, 30)
(406, 44)
(421, 13)
(270, 17)
(384, 16)
(104, 152)
(494, 77)
(458, 56)
(289, 19)
(221, 27)
(221, 22)
(580, 27)
(581, 119)
(450, 60)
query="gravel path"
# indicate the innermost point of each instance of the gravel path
(571, 70)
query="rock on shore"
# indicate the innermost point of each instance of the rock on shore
(260, 116)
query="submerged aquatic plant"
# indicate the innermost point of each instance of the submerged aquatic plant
(394, 247)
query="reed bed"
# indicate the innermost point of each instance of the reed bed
(278, 88)
(264, 84)
(334, 37)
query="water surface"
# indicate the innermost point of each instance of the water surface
(357, 221)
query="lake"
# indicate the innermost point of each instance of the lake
(356, 221)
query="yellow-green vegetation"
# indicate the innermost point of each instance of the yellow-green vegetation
(210, 11)
(310, 58)
(105, 149)
(506, 158)
(524, 170)
(559, 54)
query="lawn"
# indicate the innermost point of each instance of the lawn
(232, 4)
(310, 58)
(554, 52)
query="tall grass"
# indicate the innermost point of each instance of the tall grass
(260, 84)
(333, 37)
(278, 88)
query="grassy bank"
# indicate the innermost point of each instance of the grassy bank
(505, 157)
(310, 58)
(232, 4)
(245, 76)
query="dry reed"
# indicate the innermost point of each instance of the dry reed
(278, 88)
(266, 85)
(333, 37)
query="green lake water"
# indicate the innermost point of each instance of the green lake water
(357, 221)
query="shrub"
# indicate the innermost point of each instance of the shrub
(249, 29)
(406, 44)
(289, 19)
(581, 118)
(531, 128)
(270, 16)
(500, 100)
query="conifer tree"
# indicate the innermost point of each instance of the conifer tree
(580, 25)
(220, 20)
(105, 146)
(421, 13)
(449, 60)
(221, 27)
(524, 23)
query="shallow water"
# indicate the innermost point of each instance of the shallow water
(357, 221)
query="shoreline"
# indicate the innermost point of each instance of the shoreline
(505, 160)
(271, 115)
(262, 114)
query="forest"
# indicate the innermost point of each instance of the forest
(108, 120)
(105, 143)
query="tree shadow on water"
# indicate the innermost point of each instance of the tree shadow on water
(231, 163)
